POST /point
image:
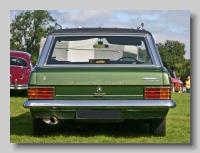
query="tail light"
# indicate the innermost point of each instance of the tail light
(157, 93)
(41, 93)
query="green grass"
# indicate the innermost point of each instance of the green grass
(178, 127)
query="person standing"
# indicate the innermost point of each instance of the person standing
(187, 82)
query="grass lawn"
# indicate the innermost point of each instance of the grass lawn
(178, 127)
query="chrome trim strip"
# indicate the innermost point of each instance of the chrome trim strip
(150, 51)
(99, 103)
(158, 87)
(99, 34)
(154, 51)
(19, 86)
(99, 95)
(98, 65)
(151, 78)
(45, 50)
(42, 87)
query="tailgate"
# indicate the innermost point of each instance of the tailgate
(99, 82)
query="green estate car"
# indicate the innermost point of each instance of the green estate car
(99, 75)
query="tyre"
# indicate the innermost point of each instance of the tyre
(40, 127)
(157, 127)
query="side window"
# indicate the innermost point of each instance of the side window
(16, 61)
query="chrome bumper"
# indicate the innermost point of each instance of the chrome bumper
(99, 109)
(98, 104)
(19, 87)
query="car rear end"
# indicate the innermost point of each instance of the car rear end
(20, 69)
(99, 77)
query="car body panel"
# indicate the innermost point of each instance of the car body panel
(71, 86)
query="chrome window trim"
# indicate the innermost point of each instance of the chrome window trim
(150, 51)
(49, 42)
(98, 65)
(152, 44)
(45, 50)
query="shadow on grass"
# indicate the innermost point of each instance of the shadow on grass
(22, 126)
(22, 93)
(122, 130)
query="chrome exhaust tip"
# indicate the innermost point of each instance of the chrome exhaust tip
(52, 120)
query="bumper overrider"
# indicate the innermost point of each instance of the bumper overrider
(99, 109)
(17, 86)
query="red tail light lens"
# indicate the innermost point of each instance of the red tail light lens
(41, 93)
(157, 93)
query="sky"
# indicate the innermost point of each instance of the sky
(163, 24)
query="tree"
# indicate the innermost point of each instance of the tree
(172, 55)
(28, 28)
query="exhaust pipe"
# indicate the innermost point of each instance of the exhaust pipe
(52, 120)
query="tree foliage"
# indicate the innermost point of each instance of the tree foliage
(28, 28)
(172, 55)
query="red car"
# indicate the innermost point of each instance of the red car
(176, 83)
(20, 68)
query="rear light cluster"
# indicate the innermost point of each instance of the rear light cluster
(157, 93)
(41, 93)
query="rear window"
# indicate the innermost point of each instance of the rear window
(99, 50)
(17, 61)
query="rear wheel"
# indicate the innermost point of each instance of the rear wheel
(40, 127)
(158, 127)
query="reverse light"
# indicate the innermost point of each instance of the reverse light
(157, 93)
(41, 93)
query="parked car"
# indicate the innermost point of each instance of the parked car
(20, 69)
(176, 83)
(99, 75)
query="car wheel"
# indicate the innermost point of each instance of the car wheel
(40, 127)
(157, 127)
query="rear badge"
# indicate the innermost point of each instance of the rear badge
(150, 79)
(44, 78)
(99, 89)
